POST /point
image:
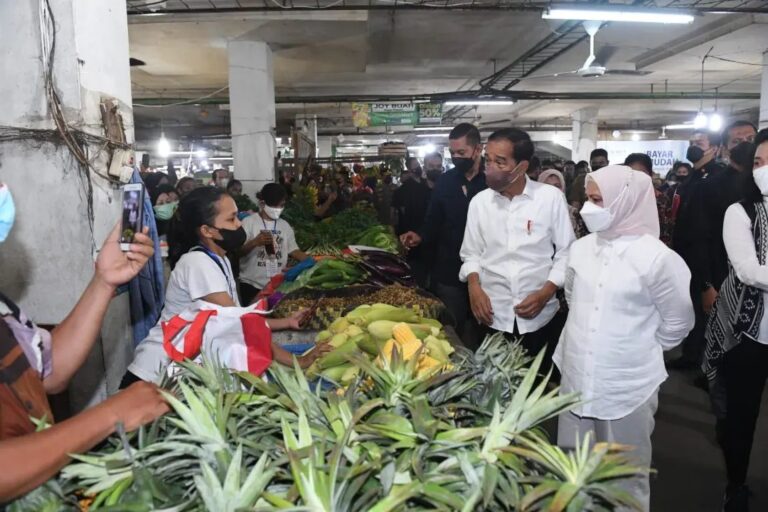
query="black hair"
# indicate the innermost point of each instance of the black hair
(408, 162)
(549, 164)
(370, 182)
(162, 189)
(726, 135)
(196, 209)
(535, 164)
(213, 175)
(272, 194)
(750, 190)
(677, 165)
(234, 183)
(598, 152)
(467, 130)
(183, 180)
(714, 140)
(640, 158)
(570, 162)
(434, 154)
(522, 146)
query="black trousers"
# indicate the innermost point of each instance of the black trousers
(694, 344)
(247, 294)
(745, 370)
(545, 339)
(456, 300)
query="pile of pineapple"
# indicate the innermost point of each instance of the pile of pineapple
(379, 332)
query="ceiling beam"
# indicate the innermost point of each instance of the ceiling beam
(196, 16)
(441, 97)
(722, 26)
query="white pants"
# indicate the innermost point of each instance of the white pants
(635, 429)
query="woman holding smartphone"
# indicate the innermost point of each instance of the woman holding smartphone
(270, 242)
(203, 231)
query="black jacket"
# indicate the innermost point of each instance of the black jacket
(445, 222)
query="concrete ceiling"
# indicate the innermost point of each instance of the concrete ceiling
(348, 53)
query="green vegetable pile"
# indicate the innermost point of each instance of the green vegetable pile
(357, 225)
(467, 440)
(330, 274)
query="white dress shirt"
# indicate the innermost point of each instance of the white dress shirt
(517, 245)
(740, 246)
(629, 300)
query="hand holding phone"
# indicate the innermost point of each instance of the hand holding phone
(133, 214)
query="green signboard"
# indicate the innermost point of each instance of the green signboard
(365, 115)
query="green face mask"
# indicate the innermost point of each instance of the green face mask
(165, 211)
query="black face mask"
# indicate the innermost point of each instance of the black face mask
(694, 154)
(463, 165)
(232, 239)
(743, 154)
(434, 174)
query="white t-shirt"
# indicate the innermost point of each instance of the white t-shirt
(197, 274)
(256, 269)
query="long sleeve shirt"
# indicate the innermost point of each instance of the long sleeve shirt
(443, 227)
(629, 301)
(740, 244)
(517, 245)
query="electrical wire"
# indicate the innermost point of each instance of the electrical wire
(185, 102)
(738, 62)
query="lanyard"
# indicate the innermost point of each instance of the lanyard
(274, 227)
(221, 266)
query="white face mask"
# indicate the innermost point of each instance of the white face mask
(273, 213)
(760, 175)
(596, 217)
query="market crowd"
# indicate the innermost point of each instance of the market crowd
(600, 265)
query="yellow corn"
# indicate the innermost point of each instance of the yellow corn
(403, 334)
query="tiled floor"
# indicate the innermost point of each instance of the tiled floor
(691, 474)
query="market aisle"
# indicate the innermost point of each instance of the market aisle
(691, 474)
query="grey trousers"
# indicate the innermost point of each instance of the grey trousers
(634, 429)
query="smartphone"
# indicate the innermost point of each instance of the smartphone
(133, 214)
(269, 247)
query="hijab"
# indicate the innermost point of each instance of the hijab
(553, 172)
(630, 197)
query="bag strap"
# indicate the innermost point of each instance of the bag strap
(193, 339)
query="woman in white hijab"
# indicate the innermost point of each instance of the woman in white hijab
(629, 301)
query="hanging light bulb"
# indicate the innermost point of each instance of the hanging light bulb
(635, 137)
(715, 122)
(700, 121)
(163, 147)
(616, 134)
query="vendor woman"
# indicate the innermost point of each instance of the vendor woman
(203, 231)
(270, 242)
(35, 362)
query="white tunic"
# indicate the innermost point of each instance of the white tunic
(629, 300)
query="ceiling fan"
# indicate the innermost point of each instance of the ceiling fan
(595, 65)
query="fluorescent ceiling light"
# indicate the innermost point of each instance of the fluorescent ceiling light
(432, 128)
(473, 103)
(630, 15)
(687, 126)
(428, 135)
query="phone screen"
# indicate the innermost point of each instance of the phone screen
(132, 219)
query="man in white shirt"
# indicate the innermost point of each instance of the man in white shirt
(516, 247)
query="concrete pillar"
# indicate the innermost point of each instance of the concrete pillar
(325, 146)
(49, 257)
(252, 113)
(308, 125)
(764, 93)
(584, 133)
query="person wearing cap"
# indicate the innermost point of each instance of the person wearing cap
(629, 301)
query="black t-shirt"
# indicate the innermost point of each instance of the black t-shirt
(411, 201)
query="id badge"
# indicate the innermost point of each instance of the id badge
(273, 267)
